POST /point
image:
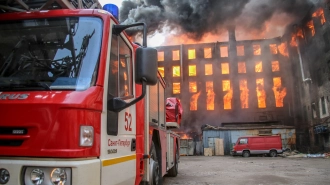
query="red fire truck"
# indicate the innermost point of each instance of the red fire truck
(80, 104)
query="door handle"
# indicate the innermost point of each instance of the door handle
(133, 145)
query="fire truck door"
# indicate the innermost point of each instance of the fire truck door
(118, 153)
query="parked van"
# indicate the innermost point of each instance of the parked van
(249, 145)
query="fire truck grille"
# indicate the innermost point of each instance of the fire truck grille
(12, 136)
(11, 142)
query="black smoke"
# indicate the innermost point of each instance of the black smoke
(197, 17)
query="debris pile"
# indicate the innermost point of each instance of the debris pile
(297, 154)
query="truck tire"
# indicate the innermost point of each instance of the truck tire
(173, 172)
(246, 153)
(272, 153)
(154, 174)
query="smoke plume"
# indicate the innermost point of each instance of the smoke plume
(199, 17)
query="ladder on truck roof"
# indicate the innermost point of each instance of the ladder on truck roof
(7, 6)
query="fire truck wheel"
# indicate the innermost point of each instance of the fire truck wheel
(173, 172)
(154, 166)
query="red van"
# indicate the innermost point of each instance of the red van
(249, 145)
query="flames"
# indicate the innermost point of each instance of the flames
(298, 35)
(176, 55)
(275, 66)
(185, 136)
(256, 50)
(176, 71)
(319, 13)
(310, 25)
(225, 68)
(279, 91)
(244, 95)
(282, 48)
(207, 53)
(224, 51)
(261, 94)
(273, 48)
(160, 55)
(258, 66)
(208, 69)
(192, 70)
(226, 87)
(193, 101)
(161, 71)
(192, 87)
(209, 96)
(191, 54)
(240, 50)
(241, 67)
(176, 88)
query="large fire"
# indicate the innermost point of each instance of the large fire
(256, 50)
(225, 68)
(191, 54)
(275, 66)
(161, 71)
(193, 101)
(241, 67)
(192, 87)
(207, 53)
(176, 55)
(210, 96)
(273, 48)
(244, 96)
(319, 13)
(258, 66)
(224, 51)
(176, 88)
(297, 35)
(282, 48)
(226, 87)
(176, 71)
(160, 55)
(261, 94)
(208, 69)
(279, 91)
(192, 70)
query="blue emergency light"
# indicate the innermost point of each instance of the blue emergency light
(113, 9)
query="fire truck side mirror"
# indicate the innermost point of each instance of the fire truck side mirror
(146, 66)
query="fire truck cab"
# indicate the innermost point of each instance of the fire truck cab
(80, 103)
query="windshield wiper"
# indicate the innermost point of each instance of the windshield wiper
(20, 85)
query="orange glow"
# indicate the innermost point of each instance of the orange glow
(125, 76)
(208, 69)
(273, 48)
(293, 41)
(279, 91)
(185, 136)
(258, 66)
(282, 48)
(193, 101)
(240, 50)
(256, 50)
(227, 99)
(275, 66)
(160, 55)
(126, 90)
(310, 25)
(225, 85)
(176, 88)
(224, 51)
(300, 33)
(319, 13)
(209, 96)
(176, 55)
(191, 54)
(192, 87)
(241, 67)
(192, 70)
(225, 68)
(161, 71)
(261, 94)
(207, 53)
(244, 96)
(176, 71)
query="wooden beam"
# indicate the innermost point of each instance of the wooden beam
(11, 9)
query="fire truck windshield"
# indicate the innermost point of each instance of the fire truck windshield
(49, 54)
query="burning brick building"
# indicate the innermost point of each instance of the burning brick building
(283, 81)
(230, 83)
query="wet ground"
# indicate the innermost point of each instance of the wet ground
(228, 170)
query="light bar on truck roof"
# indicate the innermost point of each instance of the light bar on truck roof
(113, 9)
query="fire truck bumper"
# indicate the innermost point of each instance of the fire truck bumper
(77, 171)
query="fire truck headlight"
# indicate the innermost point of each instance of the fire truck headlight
(47, 175)
(37, 176)
(4, 176)
(86, 135)
(58, 176)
